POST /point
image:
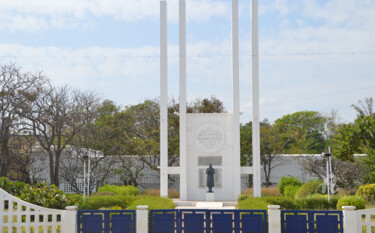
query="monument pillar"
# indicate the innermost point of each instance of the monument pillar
(163, 99)
(255, 99)
(182, 100)
(236, 159)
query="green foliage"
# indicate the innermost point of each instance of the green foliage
(288, 181)
(118, 190)
(356, 201)
(40, 194)
(95, 202)
(252, 203)
(317, 202)
(367, 191)
(309, 188)
(303, 132)
(291, 190)
(283, 202)
(153, 202)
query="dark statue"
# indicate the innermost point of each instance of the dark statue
(210, 178)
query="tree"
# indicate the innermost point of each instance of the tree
(347, 174)
(358, 137)
(136, 130)
(55, 117)
(16, 87)
(307, 129)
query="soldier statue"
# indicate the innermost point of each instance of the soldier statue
(210, 178)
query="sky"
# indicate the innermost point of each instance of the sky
(316, 55)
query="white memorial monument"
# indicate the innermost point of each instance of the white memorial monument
(207, 138)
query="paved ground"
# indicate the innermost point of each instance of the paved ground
(204, 205)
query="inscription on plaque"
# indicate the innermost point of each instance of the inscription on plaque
(203, 177)
(209, 138)
(207, 160)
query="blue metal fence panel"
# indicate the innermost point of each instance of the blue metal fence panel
(163, 221)
(310, 221)
(106, 221)
(192, 221)
(252, 221)
(209, 221)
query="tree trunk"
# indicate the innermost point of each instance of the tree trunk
(4, 160)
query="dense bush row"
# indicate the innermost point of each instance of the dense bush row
(107, 197)
(40, 194)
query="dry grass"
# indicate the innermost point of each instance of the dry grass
(172, 193)
(269, 191)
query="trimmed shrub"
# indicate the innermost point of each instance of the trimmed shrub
(283, 202)
(309, 188)
(288, 181)
(317, 202)
(356, 201)
(99, 202)
(290, 191)
(120, 190)
(252, 203)
(367, 191)
(172, 193)
(40, 194)
(153, 202)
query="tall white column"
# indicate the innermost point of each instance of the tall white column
(255, 99)
(183, 136)
(236, 173)
(163, 99)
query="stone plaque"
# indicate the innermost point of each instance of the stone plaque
(203, 178)
(209, 138)
(207, 160)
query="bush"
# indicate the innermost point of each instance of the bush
(290, 191)
(252, 203)
(283, 202)
(40, 194)
(356, 201)
(288, 181)
(153, 202)
(317, 202)
(367, 191)
(119, 190)
(95, 202)
(309, 188)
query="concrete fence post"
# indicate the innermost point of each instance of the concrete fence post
(70, 220)
(350, 219)
(142, 219)
(274, 219)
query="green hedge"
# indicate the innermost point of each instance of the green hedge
(95, 202)
(119, 190)
(317, 202)
(367, 191)
(283, 202)
(291, 190)
(40, 194)
(309, 188)
(314, 202)
(356, 201)
(153, 202)
(288, 181)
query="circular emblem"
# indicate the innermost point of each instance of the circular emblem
(209, 138)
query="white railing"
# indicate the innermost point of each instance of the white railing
(18, 216)
(365, 220)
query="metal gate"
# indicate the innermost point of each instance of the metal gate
(310, 221)
(106, 221)
(208, 221)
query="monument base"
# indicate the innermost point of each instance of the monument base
(210, 196)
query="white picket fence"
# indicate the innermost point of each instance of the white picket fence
(366, 220)
(18, 216)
